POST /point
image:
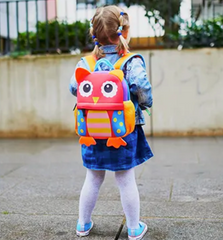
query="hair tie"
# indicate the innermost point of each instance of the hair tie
(93, 37)
(91, 24)
(119, 34)
(121, 13)
(120, 28)
(96, 43)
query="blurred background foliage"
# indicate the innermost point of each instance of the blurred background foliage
(156, 10)
(55, 36)
(200, 33)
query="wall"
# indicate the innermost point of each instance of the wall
(35, 98)
(188, 92)
(187, 86)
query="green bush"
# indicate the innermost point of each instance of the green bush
(76, 34)
(197, 34)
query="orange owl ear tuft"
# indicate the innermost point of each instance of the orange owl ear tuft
(81, 73)
(118, 73)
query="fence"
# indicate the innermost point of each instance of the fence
(56, 26)
(206, 9)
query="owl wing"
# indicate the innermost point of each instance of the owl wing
(75, 117)
(118, 123)
(129, 113)
(80, 127)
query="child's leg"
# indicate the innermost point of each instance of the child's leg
(89, 194)
(129, 196)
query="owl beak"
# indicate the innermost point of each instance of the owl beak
(95, 99)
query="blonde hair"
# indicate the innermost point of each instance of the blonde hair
(107, 27)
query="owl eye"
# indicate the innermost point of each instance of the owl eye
(86, 89)
(109, 89)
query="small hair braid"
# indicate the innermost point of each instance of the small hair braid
(96, 51)
(122, 45)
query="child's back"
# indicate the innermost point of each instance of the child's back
(109, 28)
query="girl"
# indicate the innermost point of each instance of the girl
(110, 30)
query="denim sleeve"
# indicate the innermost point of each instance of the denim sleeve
(139, 83)
(73, 82)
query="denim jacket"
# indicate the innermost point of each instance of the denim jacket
(136, 76)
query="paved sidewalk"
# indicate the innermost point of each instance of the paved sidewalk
(181, 190)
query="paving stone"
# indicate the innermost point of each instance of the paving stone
(6, 184)
(44, 227)
(207, 210)
(181, 229)
(180, 190)
(7, 168)
(198, 189)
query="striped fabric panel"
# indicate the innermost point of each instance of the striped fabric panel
(97, 120)
(98, 124)
(97, 115)
(100, 135)
(99, 130)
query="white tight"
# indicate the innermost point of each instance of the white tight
(128, 192)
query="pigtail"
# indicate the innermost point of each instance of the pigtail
(97, 52)
(122, 46)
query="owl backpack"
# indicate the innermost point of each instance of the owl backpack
(104, 109)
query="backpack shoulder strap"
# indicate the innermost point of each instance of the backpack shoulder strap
(123, 60)
(90, 62)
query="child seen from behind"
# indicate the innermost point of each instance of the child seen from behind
(110, 32)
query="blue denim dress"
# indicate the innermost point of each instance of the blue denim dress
(137, 151)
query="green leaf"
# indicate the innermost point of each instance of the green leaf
(5, 212)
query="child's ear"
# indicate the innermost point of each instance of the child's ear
(118, 73)
(81, 73)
